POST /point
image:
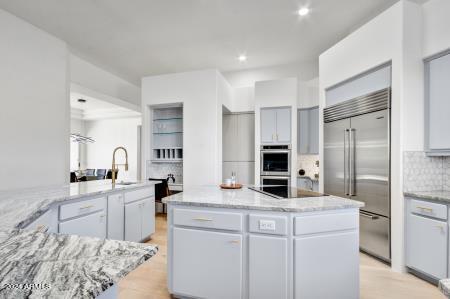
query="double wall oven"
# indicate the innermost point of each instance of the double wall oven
(276, 165)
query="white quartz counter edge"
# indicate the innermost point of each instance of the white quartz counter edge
(18, 208)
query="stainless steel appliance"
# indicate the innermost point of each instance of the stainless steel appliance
(281, 192)
(276, 160)
(275, 180)
(356, 163)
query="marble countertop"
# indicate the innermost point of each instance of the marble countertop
(64, 266)
(213, 196)
(444, 286)
(438, 195)
(18, 208)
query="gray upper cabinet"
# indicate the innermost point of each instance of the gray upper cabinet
(308, 131)
(437, 106)
(276, 126)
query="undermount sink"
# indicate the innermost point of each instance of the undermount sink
(126, 183)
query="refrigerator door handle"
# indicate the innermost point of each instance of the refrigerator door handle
(352, 177)
(346, 161)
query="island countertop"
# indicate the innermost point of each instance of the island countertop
(214, 197)
(437, 195)
(20, 207)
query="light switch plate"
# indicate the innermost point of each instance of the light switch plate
(267, 225)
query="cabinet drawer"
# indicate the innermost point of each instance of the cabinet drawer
(268, 224)
(42, 223)
(325, 223)
(207, 219)
(134, 195)
(430, 209)
(82, 208)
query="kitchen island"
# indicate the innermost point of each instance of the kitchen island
(38, 259)
(245, 244)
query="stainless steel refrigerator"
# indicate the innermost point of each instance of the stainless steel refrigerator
(356, 164)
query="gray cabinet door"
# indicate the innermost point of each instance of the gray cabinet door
(268, 125)
(427, 245)
(245, 142)
(116, 216)
(133, 222)
(268, 267)
(207, 264)
(303, 131)
(229, 133)
(147, 217)
(314, 131)
(283, 132)
(439, 103)
(92, 225)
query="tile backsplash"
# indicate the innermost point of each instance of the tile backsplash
(161, 170)
(308, 163)
(423, 173)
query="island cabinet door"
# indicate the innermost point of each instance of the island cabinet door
(92, 225)
(207, 264)
(133, 221)
(148, 217)
(268, 270)
(116, 216)
(326, 266)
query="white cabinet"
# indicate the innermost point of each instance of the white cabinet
(91, 225)
(438, 106)
(47, 222)
(338, 255)
(426, 249)
(116, 216)
(206, 264)
(308, 131)
(275, 125)
(139, 219)
(268, 267)
(239, 146)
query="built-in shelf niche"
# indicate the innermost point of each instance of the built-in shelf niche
(167, 135)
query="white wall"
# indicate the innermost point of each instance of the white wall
(34, 114)
(436, 27)
(109, 134)
(394, 36)
(308, 93)
(276, 93)
(101, 84)
(198, 92)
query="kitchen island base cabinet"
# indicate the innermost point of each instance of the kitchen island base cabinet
(207, 264)
(92, 225)
(238, 253)
(268, 268)
(326, 266)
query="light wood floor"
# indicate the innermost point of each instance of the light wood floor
(377, 280)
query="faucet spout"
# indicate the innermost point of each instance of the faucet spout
(114, 165)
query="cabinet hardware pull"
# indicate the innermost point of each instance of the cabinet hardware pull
(202, 219)
(277, 136)
(440, 226)
(234, 242)
(41, 228)
(425, 209)
(86, 207)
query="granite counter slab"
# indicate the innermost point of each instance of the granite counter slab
(18, 208)
(64, 266)
(438, 195)
(213, 196)
(444, 286)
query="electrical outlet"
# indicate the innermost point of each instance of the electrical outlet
(267, 225)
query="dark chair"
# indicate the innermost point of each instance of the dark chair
(73, 177)
(101, 174)
(90, 172)
(109, 174)
(161, 191)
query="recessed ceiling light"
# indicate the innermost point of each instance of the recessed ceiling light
(303, 11)
(242, 58)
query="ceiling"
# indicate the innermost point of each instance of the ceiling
(147, 37)
(94, 109)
